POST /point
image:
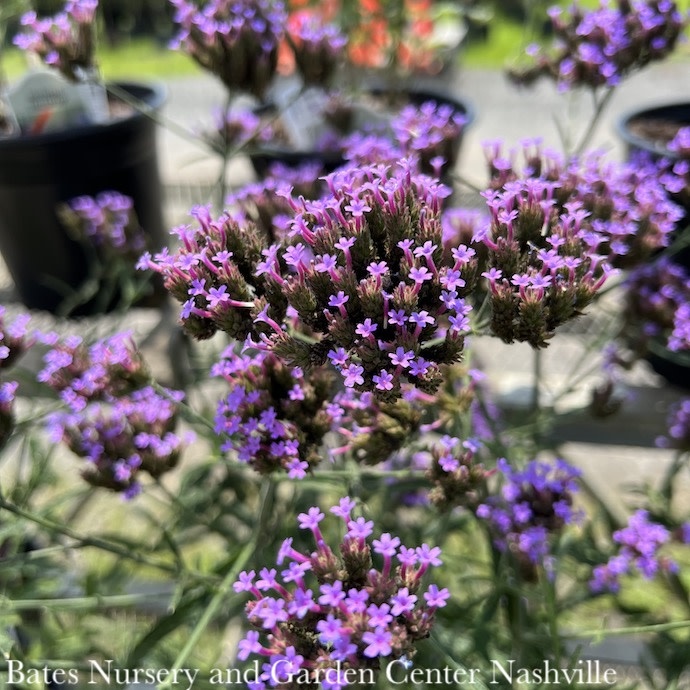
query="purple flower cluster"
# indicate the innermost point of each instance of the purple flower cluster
(459, 480)
(81, 373)
(318, 47)
(678, 423)
(114, 420)
(264, 202)
(534, 504)
(15, 338)
(224, 274)
(639, 545)
(108, 222)
(430, 131)
(64, 41)
(8, 390)
(367, 273)
(557, 230)
(122, 436)
(599, 47)
(354, 615)
(680, 144)
(237, 40)
(274, 417)
(658, 306)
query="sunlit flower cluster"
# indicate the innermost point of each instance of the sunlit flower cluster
(336, 610)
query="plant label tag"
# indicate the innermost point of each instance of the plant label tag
(46, 102)
(95, 100)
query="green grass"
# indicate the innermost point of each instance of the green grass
(139, 58)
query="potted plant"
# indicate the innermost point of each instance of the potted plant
(110, 147)
(307, 103)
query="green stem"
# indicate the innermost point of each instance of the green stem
(599, 107)
(83, 603)
(599, 635)
(85, 541)
(267, 495)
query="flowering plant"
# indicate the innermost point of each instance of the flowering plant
(336, 324)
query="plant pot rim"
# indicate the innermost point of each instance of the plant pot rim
(156, 95)
(651, 111)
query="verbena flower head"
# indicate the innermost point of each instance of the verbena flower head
(318, 46)
(108, 222)
(122, 436)
(678, 428)
(65, 41)
(556, 232)
(237, 40)
(599, 47)
(338, 609)
(533, 507)
(8, 390)
(459, 479)
(224, 273)
(367, 275)
(275, 417)
(80, 372)
(263, 202)
(657, 306)
(430, 131)
(639, 543)
(15, 338)
(374, 429)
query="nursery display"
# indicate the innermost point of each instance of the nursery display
(47, 166)
(332, 496)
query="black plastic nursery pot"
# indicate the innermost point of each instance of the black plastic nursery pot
(266, 155)
(39, 173)
(636, 128)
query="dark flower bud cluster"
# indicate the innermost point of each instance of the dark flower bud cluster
(120, 437)
(678, 428)
(264, 203)
(15, 338)
(599, 47)
(375, 429)
(237, 40)
(459, 480)
(107, 222)
(236, 128)
(65, 41)
(366, 273)
(8, 390)
(224, 274)
(81, 373)
(318, 47)
(274, 417)
(639, 543)
(334, 616)
(534, 505)
(658, 306)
